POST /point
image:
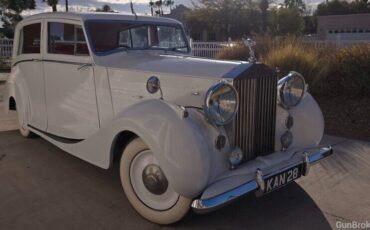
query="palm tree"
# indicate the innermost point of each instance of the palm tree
(169, 3)
(159, 6)
(264, 5)
(53, 4)
(151, 4)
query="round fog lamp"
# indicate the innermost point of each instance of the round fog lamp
(286, 140)
(236, 157)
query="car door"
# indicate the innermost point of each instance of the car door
(69, 81)
(29, 67)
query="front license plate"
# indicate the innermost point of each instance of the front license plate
(279, 180)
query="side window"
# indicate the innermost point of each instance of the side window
(66, 39)
(140, 37)
(125, 39)
(30, 39)
(136, 37)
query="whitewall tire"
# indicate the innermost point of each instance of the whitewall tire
(147, 188)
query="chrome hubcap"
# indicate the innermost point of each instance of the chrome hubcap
(154, 179)
(150, 184)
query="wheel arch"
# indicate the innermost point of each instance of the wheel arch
(119, 143)
(12, 104)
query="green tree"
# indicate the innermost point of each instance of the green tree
(359, 6)
(10, 11)
(17, 5)
(233, 18)
(285, 21)
(298, 4)
(310, 24)
(337, 7)
(264, 5)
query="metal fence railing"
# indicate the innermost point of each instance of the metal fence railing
(201, 49)
(209, 49)
(6, 47)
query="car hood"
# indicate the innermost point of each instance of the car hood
(158, 62)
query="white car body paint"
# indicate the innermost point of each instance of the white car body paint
(98, 102)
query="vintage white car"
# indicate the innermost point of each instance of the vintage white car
(189, 132)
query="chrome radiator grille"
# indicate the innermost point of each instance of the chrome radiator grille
(254, 125)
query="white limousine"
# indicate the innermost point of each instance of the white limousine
(189, 132)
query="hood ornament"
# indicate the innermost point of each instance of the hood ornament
(248, 42)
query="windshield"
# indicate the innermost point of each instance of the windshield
(110, 36)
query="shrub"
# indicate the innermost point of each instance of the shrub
(296, 56)
(350, 67)
(285, 54)
(237, 52)
(329, 70)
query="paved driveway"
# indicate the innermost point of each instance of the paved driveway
(42, 187)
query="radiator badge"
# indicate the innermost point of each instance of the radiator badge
(248, 42)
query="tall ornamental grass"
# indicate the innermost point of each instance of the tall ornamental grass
(329, 70)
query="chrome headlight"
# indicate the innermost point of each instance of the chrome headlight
(291, 89)
(221, 103)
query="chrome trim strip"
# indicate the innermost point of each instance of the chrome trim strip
(306, 164)
(216, 202)
(237, 70)
(55, 137)
(54, 61)
(260, 181)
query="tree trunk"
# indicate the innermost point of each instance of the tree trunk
(54, 8)
(264, 21)
(66, 5)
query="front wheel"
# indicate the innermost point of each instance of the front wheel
(147, 188)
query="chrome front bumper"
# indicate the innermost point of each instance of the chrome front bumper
(256, 185)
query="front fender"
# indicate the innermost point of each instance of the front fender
(176, 142)
(308, 128)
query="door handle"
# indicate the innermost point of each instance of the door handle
(83, 66)
(37, 60)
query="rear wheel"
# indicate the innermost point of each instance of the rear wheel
(147, 188)
(25, 132)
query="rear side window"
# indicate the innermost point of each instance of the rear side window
(30, 39)
(64, 38)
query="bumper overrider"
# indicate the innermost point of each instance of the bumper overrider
(258, 184)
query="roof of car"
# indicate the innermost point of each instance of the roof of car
(98, 16)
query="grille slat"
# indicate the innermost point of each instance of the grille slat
(254, 125)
